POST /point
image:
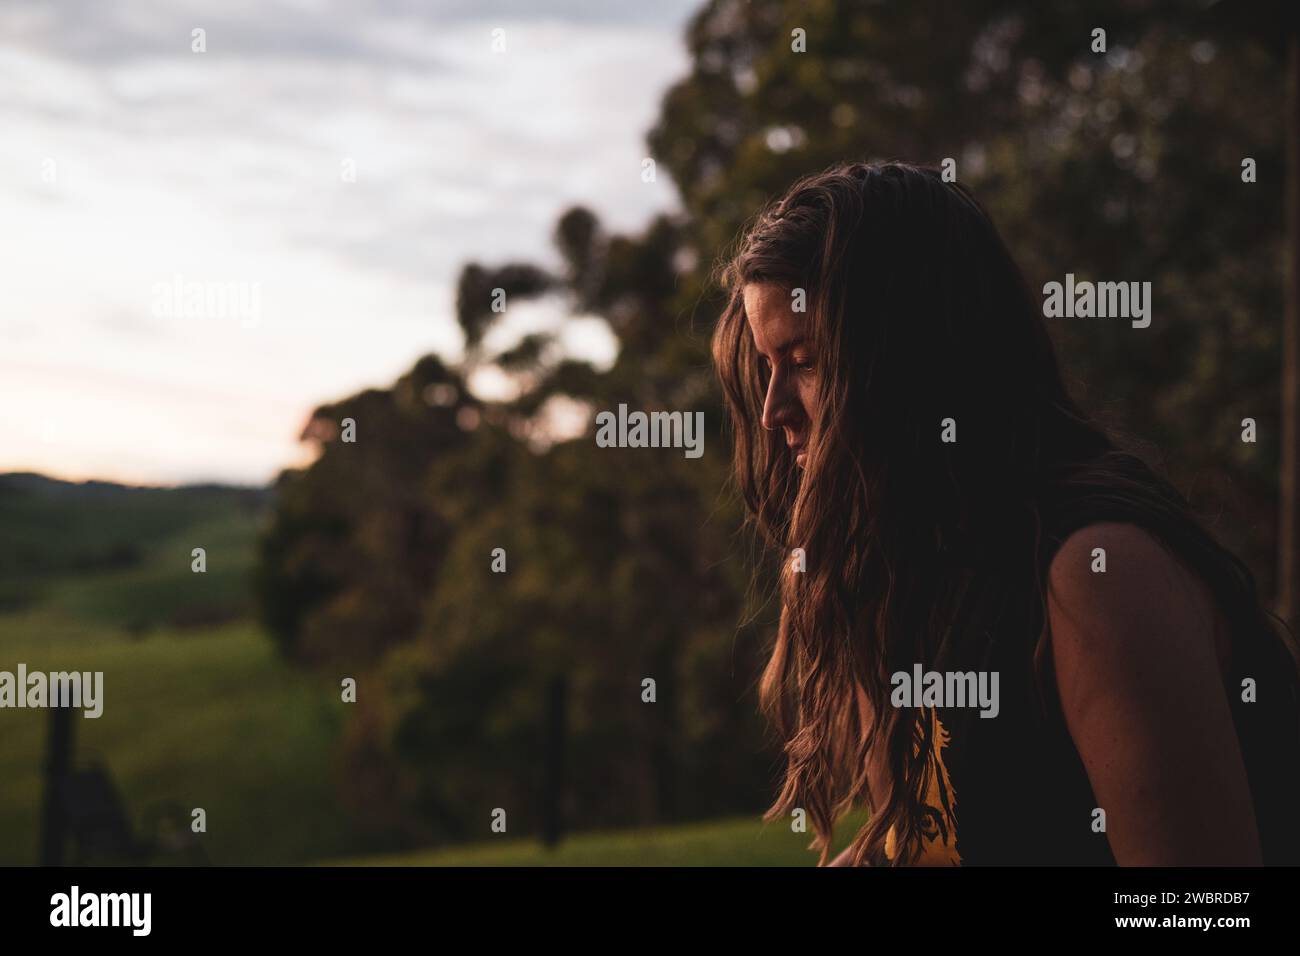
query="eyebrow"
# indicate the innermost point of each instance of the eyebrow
(787, 346)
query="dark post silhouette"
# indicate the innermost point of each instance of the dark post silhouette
(553, 761)
(1275, 24)
(1288, 571)
(58, 765)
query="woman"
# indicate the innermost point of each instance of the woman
(942, 507)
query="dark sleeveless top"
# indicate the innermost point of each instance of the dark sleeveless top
(1012, 789)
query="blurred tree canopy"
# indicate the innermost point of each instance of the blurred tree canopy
(624, 565)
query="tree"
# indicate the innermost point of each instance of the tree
(1122, 165)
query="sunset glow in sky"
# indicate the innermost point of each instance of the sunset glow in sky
(129, 162)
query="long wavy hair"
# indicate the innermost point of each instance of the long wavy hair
(918, 314)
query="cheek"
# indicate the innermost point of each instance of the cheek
(808, 397)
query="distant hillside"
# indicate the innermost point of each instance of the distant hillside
(121, 554)
(21, 482)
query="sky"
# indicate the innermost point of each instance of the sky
(201, 247)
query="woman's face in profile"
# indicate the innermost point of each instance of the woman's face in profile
(787, 362)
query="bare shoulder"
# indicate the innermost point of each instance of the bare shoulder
(1132, 634)
(1117, 552)
(1120, 605)
(1114, 570)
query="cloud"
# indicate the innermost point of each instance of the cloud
(227, 166)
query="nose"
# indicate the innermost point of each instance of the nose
(779, 406)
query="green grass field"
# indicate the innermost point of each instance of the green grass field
(735, 842)
(198, 709)
(213, 719)
(201, 719)
(194, 716)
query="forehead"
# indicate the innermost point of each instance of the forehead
(772, 321)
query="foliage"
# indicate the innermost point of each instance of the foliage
(624, 564)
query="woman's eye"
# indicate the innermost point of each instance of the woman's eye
(804, 365)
